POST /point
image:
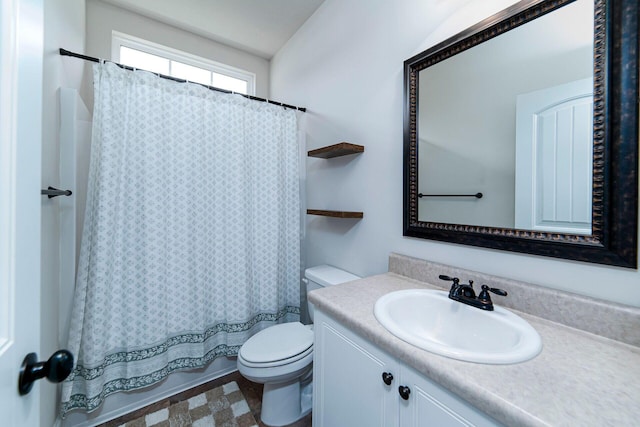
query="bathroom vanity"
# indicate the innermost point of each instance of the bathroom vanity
(383, 391)
(365, 376)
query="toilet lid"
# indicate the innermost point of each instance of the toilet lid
(277, 342)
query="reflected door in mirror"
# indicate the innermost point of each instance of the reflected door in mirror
(554, 151)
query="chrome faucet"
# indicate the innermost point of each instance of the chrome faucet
(467, 295)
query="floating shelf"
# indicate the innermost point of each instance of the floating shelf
(335, 214)
(336, 150)
(341, 149)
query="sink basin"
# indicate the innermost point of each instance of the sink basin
(430, 320)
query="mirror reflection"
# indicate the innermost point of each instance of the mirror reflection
(512, 119)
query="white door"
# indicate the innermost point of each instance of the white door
(554, 143)
(21, 44)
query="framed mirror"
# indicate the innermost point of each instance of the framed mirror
(521, 133)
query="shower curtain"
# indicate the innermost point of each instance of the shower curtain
(191, 235)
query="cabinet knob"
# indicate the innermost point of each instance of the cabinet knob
(404, 392)
(387, 377)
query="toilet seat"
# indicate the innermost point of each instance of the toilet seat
(277, 345)
(276, 363)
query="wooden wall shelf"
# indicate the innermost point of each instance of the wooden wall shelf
(335, 214)
(336, 150)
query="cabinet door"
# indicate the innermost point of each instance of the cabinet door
(429, 404)
(348, 389)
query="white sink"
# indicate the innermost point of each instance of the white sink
(430, 320)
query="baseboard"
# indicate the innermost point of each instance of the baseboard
(119, 404)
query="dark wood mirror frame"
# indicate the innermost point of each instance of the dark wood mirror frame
(614, 234)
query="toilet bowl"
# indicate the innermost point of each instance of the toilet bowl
(281, 356)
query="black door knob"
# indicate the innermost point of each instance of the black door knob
(56, 369)
(387, 377)
(404, 392)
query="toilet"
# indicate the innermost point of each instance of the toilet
(281, 356)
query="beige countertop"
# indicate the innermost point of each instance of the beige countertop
(579, 379)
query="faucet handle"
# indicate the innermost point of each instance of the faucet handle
(455, 280)
(484, 294)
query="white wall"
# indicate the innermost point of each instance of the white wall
(103, 18)
(64, 26)
(346, 66)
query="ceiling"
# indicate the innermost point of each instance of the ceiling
(260, 27)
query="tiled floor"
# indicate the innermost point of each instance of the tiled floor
(221, 406)
(252, 393)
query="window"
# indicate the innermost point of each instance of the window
(138, 53)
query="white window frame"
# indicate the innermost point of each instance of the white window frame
(120, 39)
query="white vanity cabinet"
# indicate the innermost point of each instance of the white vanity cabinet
(430, 404)
(350, 387)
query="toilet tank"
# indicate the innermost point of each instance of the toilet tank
(325, 275)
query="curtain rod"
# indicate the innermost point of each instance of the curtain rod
(65, 52)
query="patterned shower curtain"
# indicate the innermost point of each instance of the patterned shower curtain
(191, 235)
